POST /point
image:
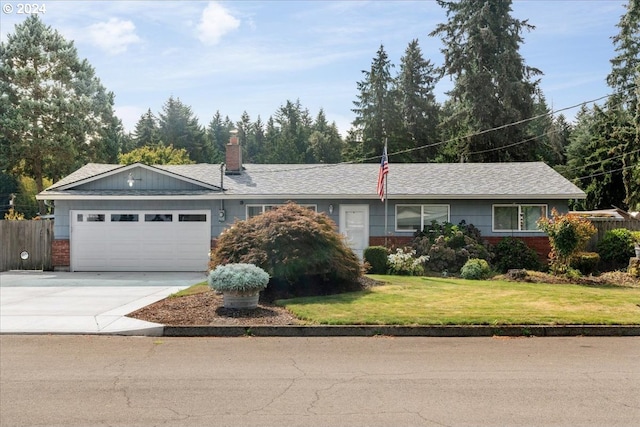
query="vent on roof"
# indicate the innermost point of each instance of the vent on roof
(233, 158)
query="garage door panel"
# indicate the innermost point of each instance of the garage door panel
(120, 243)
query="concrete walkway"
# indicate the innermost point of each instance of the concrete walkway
(34, 302)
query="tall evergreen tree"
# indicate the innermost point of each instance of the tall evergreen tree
(178, 126)
(377, 114)
(293, 130)
(147, 131)
(257, 141)
(493, 86)
(624, 79)
(418, 107)
(594, 159)
(53, 109)
(550, 133)
(325, 144)
(218, 133)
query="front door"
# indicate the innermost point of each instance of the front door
(354, 224)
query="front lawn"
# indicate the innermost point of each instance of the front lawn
(444, 301)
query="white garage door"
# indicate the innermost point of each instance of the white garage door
(140, 240)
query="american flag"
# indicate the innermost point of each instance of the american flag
(382, 173)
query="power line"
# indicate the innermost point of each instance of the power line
(435, 144)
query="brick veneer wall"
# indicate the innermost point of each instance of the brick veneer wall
(60, 254)
(393, 241)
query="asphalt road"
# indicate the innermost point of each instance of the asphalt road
(379, 381)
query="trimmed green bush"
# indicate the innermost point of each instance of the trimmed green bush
(585, 262)
(511, 253)
(475, 269)
(376, 256)
(616, 247)
(300, 249)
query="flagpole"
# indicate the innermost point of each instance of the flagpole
(386, 199)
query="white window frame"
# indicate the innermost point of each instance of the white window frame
(264, 207)
(520, 215)
(422, 206)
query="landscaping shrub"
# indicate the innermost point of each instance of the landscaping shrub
(568, 235)
(511, 253)
(449, 246)
(476, 269)
(406, 263)
(299, 248)
(585, 262)
(615, 248)
(376, 256)
(241, 278)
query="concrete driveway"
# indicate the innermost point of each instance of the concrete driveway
(36, 302)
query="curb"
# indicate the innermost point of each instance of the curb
(402, 331)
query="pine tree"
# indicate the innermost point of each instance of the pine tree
(624, 79)
(217, 134)
(594, 160)
(325, 144)
(377, 113)
(53, 109)
(178, 126)
(415, 84)
(493, 86)
(147, 131)
(293, 133)
(550, 133)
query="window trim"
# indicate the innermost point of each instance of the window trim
(519, 206)
(421, 205)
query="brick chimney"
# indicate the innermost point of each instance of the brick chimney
(234, 155)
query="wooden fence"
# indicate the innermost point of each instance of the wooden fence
(25, 245)
(605, 224)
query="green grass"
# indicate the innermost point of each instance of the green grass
(445, 301)
(191, 290)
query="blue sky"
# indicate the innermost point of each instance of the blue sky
(253, 56)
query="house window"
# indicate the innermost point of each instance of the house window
(255, 210)
(416, 217)
(158, 217)
(517, 217)
(192, 218)
(124, 217)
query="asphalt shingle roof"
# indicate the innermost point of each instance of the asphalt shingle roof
(405, 180)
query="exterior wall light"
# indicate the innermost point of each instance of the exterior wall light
(131, 180)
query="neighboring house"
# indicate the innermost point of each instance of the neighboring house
(166, 218)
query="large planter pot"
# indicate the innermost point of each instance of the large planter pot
(637, 248)
(240, 300)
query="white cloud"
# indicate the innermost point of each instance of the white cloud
(113, 36)
(216, 21)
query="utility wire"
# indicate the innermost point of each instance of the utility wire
(435, 144)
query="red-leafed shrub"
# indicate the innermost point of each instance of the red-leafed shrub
(299, 248)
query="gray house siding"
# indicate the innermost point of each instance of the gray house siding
(144, 179)
(476, 212)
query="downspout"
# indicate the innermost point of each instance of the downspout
(221, 213)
